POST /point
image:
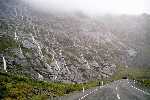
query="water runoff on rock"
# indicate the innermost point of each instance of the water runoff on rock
(4, 63)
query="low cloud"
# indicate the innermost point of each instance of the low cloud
(93, 6)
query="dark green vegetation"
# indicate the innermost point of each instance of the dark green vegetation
(7, 43)
(23, 88)
(144, 83)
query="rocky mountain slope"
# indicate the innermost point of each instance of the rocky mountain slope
(69, 47)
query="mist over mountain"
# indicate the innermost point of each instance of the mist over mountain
(70, 46)
(92, 7)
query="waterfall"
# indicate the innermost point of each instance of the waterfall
(55, 77)
(82, 56)
(47, 49)
(34, 30)
(87, 64)
(4, 63)
(20, 50)
(96, 63)
(53, 55)
(57, 65)
(33, 38)
(48, 67)
(68, 70)
(38, 31)
(39, 48)
(40, 77)
(40, 51)
(60, 53)
(16, 37)
(65, 65)
(74, 43)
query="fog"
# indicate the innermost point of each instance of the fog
(93, 6)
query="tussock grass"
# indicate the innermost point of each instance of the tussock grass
(19, 87)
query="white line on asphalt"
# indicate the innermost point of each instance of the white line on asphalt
(140, 90)
(118, 96)
(101, 87)
(96, 90)
(116, 88)
(87, 94)
(134, 81)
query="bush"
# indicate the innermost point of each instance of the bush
(7, 42)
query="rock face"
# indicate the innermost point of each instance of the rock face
(67, 48)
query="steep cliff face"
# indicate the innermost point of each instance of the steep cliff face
(64, 47)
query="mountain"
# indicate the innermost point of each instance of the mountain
(70, 47)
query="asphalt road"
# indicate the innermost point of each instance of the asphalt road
(118, 90)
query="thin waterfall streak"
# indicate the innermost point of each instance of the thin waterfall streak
(4, 63)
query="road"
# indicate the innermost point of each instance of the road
(118, 90)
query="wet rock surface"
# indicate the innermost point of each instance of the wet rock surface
(65, 48)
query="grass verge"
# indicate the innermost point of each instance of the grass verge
(16, 87)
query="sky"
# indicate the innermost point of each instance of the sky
(94, 6)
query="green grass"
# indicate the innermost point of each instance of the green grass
(23, 88)
(7, 42)
(144, 83)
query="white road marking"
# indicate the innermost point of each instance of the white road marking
(118, 96)
(140, 90)
(87, 94)
(134, 81)
(116, 88)
(128, 81)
